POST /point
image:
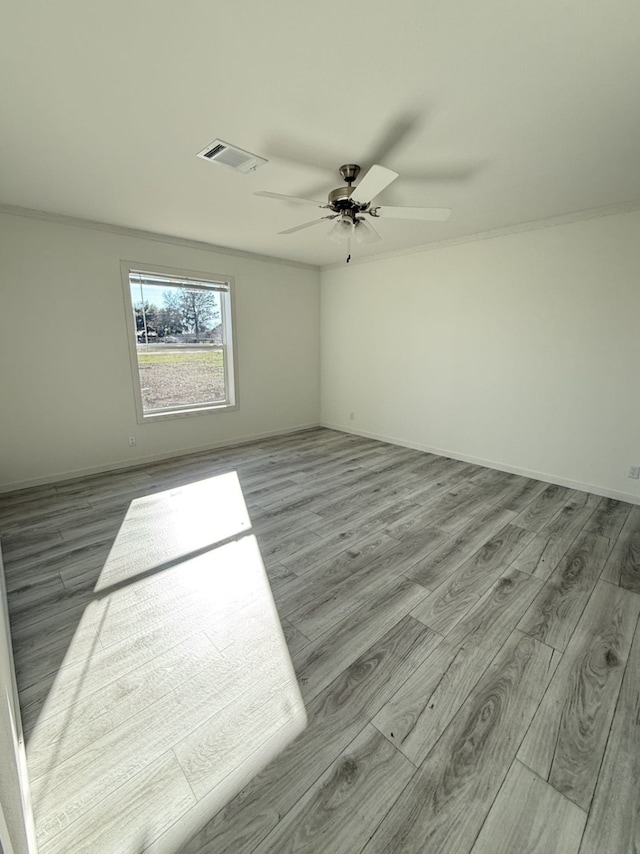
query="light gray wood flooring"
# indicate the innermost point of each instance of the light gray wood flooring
(465, 641)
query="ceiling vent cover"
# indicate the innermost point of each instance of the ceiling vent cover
(236, 158)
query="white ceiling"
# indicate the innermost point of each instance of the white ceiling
(504, 111)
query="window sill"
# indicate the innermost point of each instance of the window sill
(151, 417)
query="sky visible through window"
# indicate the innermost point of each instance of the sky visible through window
(146, 293)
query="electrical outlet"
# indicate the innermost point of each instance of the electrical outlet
(352, 415)
(132, 441)
(634, 472)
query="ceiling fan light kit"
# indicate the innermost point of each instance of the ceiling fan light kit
(365, 232)
(350, 205)
(342, 229)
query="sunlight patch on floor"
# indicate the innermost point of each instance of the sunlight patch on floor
(183, 689)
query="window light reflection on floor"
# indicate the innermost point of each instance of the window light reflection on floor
(169, 526)
(182, 688)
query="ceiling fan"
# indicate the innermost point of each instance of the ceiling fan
(351, 205)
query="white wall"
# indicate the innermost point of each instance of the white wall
(520, 352)
(66, 393)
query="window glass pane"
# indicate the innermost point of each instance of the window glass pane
(180, 338)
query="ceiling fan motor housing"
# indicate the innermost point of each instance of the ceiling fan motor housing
(340, 199)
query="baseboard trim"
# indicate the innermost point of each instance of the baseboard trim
(491, 464)
(151, 458)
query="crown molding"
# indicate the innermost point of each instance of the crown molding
(77, 222)
(491, 234)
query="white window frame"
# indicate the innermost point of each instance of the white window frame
(229, 348)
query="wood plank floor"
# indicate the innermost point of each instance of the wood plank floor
(465, 641)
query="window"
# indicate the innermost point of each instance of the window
(180, 332)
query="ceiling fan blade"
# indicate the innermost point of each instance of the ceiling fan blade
(431, 214)
(296, 199)
(304, 225)
(374, 182)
